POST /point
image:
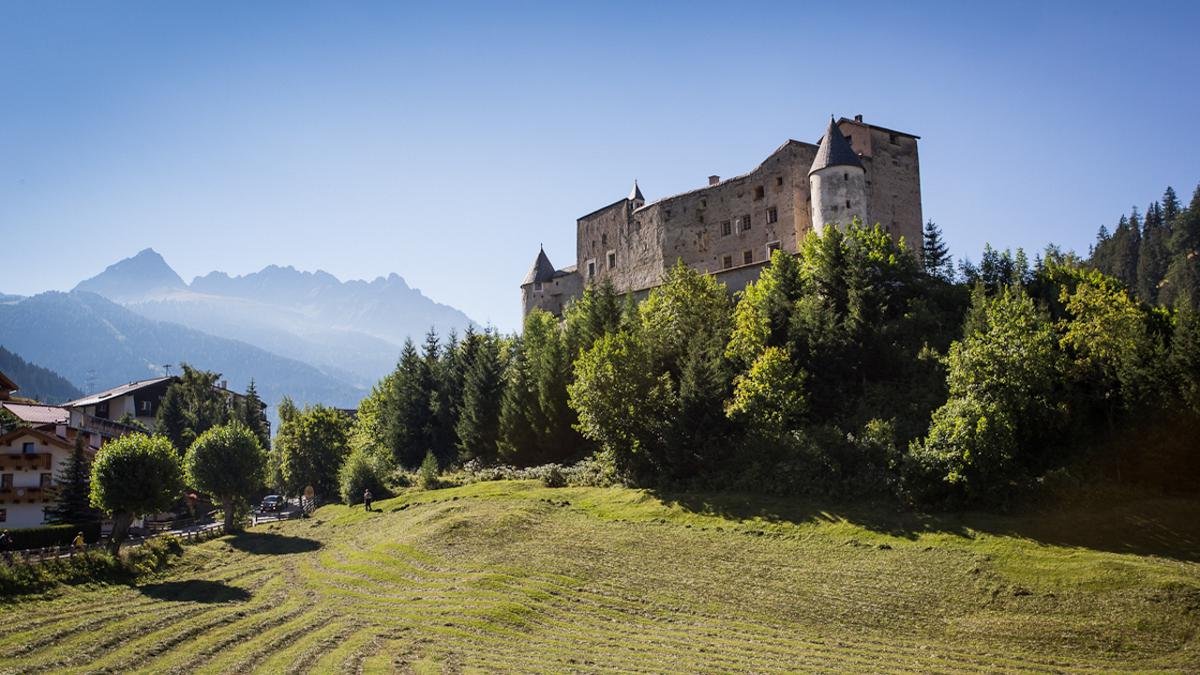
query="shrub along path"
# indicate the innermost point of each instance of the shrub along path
(516, 577)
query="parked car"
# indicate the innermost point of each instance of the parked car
(272, 504)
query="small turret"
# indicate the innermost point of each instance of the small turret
(837, 182)
(635, 196)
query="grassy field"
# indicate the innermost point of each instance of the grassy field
(512, 576)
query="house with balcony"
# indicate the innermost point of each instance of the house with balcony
(31, 463)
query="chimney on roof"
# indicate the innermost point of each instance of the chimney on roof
(858, 117)
(713, 180)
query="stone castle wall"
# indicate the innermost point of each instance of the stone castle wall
(632, 244)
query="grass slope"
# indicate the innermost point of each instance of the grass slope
(516, 577)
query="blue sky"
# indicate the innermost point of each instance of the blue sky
(445, 141)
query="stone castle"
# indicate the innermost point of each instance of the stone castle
(729, 227)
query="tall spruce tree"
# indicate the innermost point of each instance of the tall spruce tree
(74, 491)
(172, 421)
(1170, 206)
(936, 254)
(250, 413)
(406, 414)
(478, 424)
(1154, 256)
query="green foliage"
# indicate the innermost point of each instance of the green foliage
(250, 412)
(769, 398)
(536, 424)
(1185, 359)
(229, 462)
(192, 405)
(935, 254)
(478, 423)
(92, 566)
(132, 422)
(132, 475)
(430, 472)
(1001, 408)
(310, 447)
(408, 415)
(652, 396)
(363, 471)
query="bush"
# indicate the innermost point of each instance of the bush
(554, 477)
(153, 556)
(362, 472)
(429, 473)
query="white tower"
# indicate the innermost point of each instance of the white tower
(837, 181)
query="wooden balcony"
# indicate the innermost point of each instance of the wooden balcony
(12, 462)
(28, 495)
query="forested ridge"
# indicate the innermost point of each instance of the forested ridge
(854, 368)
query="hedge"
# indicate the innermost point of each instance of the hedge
(53, 535)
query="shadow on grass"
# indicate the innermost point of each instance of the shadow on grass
(268, 543)
(1165, 526)
(195, 591)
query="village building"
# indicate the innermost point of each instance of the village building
(31, 465)
(730, 227)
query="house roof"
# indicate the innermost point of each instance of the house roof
(37, 414)
(7, 385)
(7, 439)
(93, 399)
(541, 271)
(834, 150)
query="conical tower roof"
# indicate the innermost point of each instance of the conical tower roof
(834, 150)
(635, 194)
(541, 271)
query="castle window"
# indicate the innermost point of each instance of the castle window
(591, 264)
(772, 215)
(779, 180)
(847, 203)
(846, 176)
(537, 287)
(727, 262)
(703, 203)
(726, 228)
(612, 259)
(604, 239)
(747, 257)
(758, 192)
(745, 222)
(772, 246)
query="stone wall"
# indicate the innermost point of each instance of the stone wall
(554, 295)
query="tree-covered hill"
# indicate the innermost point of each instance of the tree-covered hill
(36, 382)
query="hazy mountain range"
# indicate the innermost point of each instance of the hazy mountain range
(303, 334)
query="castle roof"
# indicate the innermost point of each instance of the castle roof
(834, 150)
(541, 271)
(636, 194)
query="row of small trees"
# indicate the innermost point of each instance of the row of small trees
(141, 474)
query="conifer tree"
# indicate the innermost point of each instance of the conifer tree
(1154, 257)
(172, 421)
(478, 424)
(250, 413)
(406, 415)
(1170, 206)
(74, 492)
(936, 258)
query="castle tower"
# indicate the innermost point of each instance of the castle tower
(837, 181)
(533, 289)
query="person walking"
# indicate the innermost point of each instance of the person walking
(367, 499)
(79, 543)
